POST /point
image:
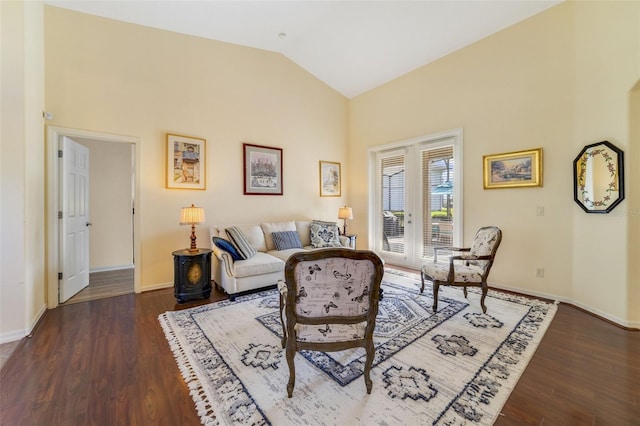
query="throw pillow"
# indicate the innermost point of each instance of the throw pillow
(286, 240)
(225, 245)
(240, 242)
(324, 222)
(324, 234)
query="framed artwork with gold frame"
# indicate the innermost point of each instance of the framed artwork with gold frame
(185, 162)
(513, 169)
(330, 179)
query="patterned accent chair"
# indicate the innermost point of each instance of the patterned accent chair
(330, 302)
(471, 272)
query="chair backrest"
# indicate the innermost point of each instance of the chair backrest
(333, 286)
(485, 243)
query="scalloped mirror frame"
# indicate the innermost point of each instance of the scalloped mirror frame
(598, 177)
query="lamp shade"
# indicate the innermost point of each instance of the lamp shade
(345, 213)
(191, 215)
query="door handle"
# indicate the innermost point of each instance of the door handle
(89, 224)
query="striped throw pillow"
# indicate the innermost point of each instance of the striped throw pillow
(239, 240)
(284, 240)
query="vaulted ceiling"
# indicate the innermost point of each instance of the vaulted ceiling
(352, 46)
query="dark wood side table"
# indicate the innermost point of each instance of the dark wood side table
(192, 274)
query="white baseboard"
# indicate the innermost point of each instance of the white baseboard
(12, 336)
(590, 309)
(112, 268)
(160, 286)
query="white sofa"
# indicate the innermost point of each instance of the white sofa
(265, 268)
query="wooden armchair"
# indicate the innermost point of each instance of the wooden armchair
(471, 272)
(330, 302)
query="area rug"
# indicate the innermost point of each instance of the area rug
(455, 367)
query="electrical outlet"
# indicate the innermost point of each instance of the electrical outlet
(540, 272)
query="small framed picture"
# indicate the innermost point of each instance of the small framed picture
(330, 179)
(513, 169)
(186, 162)
(262, 170)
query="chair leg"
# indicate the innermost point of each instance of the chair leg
(290, 353)
(283, 341)
(485, 288)
(422, 279)
(436, 286)
(464, 289)
(371, 352)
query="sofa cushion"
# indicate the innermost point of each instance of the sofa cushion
(261, 263)
(285, 254)
(225, 245)
(269, 228)
(286, 240)
(241, 243)
(303, 231)
(324, 234)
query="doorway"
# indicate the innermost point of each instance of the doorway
(114, 178)
(416, 197)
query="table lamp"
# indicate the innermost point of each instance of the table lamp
(345, 213)
(191, 216)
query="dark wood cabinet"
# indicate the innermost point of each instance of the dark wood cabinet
(192, 274)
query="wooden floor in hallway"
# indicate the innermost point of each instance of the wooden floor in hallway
(105, 284)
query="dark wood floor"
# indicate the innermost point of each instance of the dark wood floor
(106, 362)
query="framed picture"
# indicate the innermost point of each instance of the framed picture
(186, 162)
(330, 179)
(513, 169)
(262, 170)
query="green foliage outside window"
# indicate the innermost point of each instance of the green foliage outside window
(442, 214)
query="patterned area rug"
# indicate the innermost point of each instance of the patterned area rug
(455, 367)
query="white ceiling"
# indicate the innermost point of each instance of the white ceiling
(353, 46)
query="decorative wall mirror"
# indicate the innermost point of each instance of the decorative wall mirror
(598, 177)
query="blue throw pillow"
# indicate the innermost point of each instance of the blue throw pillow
(225, 245)
(286, 240)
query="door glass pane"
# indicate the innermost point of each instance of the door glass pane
(437, 198)
(393, 203)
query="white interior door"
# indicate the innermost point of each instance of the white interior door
(74, 222)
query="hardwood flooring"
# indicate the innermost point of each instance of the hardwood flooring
(106, 362)
(105, 284)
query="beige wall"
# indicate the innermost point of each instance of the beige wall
(633, 210)
(22, 292)
(110, 205)
(559, 80)
(119, 78)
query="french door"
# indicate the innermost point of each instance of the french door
(416, 198)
